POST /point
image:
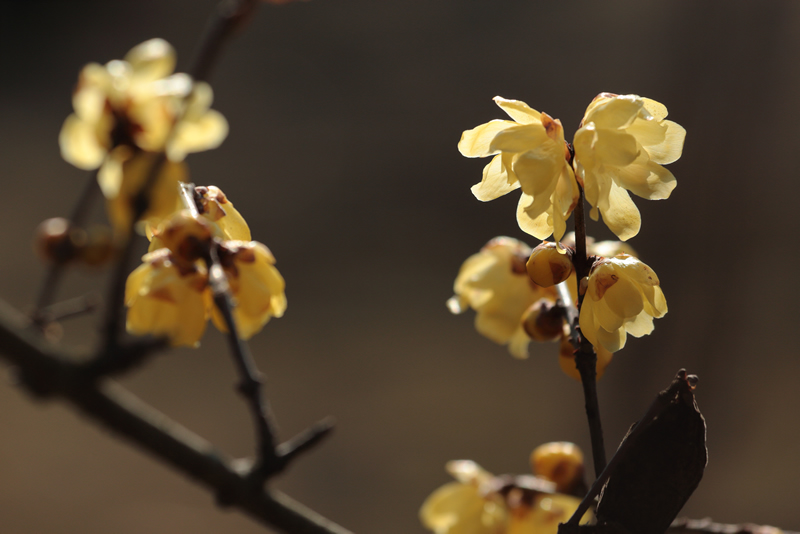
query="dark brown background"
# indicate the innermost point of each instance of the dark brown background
(342, 156)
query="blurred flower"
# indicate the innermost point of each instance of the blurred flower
(256, 285)
(528, 153)
(217, 208)
(495, 283)
(481, 503)
(621, 146)
(128, 111)
(164, 300)
(135, 102)
(623, 296)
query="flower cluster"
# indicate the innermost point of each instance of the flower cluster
(481, 503)
(129, 110)
(621, 145)
(514, 307)
(169, 295)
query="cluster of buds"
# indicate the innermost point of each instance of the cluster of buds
(169, 293)
(481, 503)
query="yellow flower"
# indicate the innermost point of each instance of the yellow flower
(126, 111)
(135, 102)
(480, 503)
(622, 297)
(621, 146)
(495, 283)
(164, 300)
(528, 153)
(466, 506)
(217, 208)
(256, 285)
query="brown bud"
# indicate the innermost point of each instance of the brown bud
(57, 241)
(543, 321)
(548, 266)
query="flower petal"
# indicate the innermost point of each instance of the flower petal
(496, 182)
(622, 216)
(194, 136)
(151, 59)
(641, 325)
(518, 110)
(670, 149)
(475, 143)
(539, 225)
(79, 144)
(519, 138)
(617, 113)
(624, 299)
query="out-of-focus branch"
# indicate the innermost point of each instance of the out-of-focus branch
(47, 373)
(683, 525)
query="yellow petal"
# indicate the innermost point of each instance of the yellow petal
(151, 59)
(496, 182)
(624, 299)
(520, 138)
(205, 133)
(475, 143)
(656, 109)
(518, 344)
(518, 110)
(670, 149)
(622, 216)
(641, 325)
(645, 178)
(612, 147)
(540, 226)
(616, 113)
(80, 145)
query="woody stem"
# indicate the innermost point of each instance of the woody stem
(585, 356)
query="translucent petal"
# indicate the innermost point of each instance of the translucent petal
(605, 317)
(622, 216)
(496, 181)
(151, 59)
(611, 341)
(612, 147)
(518, 110)
(518, 344)
(656, 109)
(205, 133)
(645, 178)
(497, 327)
(647, 131)
(624, 299)
(475, 143)
(538, 172)
(617, 113)
(79, 144)
(519, 138)
(587, 322)
(641, 325)
(540, 226)
(670, 149)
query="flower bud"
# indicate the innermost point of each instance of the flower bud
(57, 241)
(543, 321)
(560, 462)
(548, 266)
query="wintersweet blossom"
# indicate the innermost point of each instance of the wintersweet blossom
(256, 285)
(529, 153)
(165, 300)
(129, 110)
(621, 146)
(136, 102)
(496, 285)
(171, 285)
(481, 503)
(622, 297)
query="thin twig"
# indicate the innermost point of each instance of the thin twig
(48, 373)
(230, 16)
(684, 525)
(54, 273)
(585, 356)
(661, 402)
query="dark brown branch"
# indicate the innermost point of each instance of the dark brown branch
(585, 356)
(46, 373)
(683, 525)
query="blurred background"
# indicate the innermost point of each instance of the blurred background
(342, 157)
